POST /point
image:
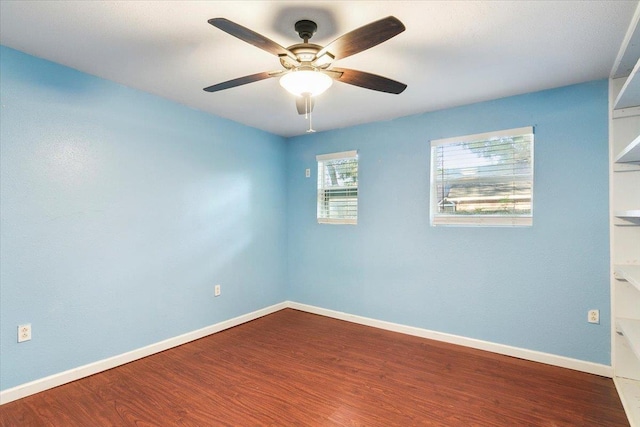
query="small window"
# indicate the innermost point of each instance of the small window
(338, 188)
(483, 180)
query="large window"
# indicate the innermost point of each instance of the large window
(484, 179)
(338, 188)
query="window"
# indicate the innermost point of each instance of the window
(338, 188)
(484, 179)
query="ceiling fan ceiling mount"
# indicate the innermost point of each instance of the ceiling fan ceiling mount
(306, 29)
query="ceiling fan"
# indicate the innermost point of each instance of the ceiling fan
(307, 67)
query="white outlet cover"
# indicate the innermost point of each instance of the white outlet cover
(593, 316)
(24, 332)
(216, 290)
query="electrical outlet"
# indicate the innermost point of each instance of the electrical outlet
(593, 316)
(24, 332)
(216, 291)
(307, 173)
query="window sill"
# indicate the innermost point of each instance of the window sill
(482, 221)
(348, 221)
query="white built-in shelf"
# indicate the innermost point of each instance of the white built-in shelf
(629, 391)
(630, 273)
(629, 95)
(630, 328)
(625, 117)
(631, 153)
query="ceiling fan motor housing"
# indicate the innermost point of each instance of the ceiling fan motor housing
(305, 52)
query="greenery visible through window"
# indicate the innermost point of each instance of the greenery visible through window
(338, 188)
(484, 179)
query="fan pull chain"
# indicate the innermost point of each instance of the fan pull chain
(307, 113)
(307, 104)
(311, 129)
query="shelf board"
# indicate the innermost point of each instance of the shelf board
(629, 95)
(633, 213)
(630, 328)
(632, 217)
(631, 153)
(630, 273)
(629, 391)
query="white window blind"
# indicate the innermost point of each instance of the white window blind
(338, 188)
(483, 179)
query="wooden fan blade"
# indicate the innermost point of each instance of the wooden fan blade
(302, 102)
(251, 37)
(369, 81)
(240, 81)
(363, 38)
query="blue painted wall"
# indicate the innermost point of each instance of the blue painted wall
(524, 287)
(120, 211)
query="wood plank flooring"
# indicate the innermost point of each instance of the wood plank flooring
(298, 369)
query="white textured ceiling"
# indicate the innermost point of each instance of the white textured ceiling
(452, 53)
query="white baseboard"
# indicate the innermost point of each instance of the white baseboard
(74, 374)
(521, 353)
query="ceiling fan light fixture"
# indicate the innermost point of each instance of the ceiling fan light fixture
(306, 81)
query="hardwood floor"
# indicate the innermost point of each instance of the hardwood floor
(298, 369)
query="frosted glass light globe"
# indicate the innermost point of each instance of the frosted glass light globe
(306, 81)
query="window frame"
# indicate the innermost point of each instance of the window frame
(322, 190)
(479, 220)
